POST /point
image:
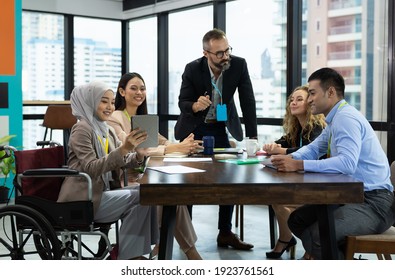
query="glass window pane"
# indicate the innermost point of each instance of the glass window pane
(170, 129)
(267, 134)
(143, 56)
(42, 67)
(42, 56)
(353, 39)
(383, 137)
(260, 37)
(186, 31)
(97, 51)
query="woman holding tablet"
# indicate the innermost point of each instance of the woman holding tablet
(95, 150)
(131, 100)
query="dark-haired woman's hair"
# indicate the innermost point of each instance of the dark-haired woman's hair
(120, 102)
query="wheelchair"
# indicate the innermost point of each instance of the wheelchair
(36, 226)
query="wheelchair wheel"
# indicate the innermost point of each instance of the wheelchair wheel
(26, 234)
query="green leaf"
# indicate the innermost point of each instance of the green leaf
(6, 139)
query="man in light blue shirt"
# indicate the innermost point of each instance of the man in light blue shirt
(352, 148)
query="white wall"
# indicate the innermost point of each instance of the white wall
(95, 8)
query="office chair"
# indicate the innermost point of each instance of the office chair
(58, 117)
(383, 245)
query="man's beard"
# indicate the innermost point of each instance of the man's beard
(223, 65)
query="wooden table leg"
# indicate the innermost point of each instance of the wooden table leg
(242, 222)
(167, 233)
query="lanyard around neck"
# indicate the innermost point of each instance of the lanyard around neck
(126, 114)
(217, 89)
(105, 146)
(301, 139)
(328, 152)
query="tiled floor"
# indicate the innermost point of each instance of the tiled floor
(256, 231)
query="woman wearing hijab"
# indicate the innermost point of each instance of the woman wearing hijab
(131, 100)
(95, 150)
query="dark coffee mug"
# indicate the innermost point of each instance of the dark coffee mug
(208, 145)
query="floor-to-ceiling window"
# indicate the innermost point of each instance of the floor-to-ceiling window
(351, 36)
(143, 56)
(254, 31)
(186, 31)
(97, 56)
(348, 35)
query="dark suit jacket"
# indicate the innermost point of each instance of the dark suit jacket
(196, 81)
(290, 149)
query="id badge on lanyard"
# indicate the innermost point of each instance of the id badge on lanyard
(222, 115)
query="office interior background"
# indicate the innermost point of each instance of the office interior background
(68, 43)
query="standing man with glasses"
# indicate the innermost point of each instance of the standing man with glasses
(208, 109)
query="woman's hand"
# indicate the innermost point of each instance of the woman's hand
(133, 139)
(142, 152)
(187, 146)
(274, 149)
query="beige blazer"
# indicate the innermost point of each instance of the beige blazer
(82, 157)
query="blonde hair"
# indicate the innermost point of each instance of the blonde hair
(291, 123)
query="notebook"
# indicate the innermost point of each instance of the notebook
(148, 123)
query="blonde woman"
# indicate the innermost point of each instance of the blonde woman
(301, 128)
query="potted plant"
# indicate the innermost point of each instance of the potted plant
(7, 166)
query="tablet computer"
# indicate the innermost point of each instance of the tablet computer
(267, 162)
(148, 123)
(228, 151)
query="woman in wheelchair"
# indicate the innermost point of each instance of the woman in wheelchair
(131, 100)
(95, 149)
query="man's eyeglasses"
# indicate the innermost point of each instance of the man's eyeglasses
(220, 54)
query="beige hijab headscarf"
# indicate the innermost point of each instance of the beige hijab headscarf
(84, 102)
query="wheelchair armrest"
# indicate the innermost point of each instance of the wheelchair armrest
(57, 172)
(50, 172)
(49, 143)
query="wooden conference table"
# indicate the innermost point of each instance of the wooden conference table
(253, 184)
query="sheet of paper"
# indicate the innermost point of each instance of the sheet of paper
(187, 159)
(176, 169)
(171, 155)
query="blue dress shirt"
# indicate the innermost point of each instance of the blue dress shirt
(354, 149)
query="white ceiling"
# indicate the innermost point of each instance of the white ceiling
(111, 9)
